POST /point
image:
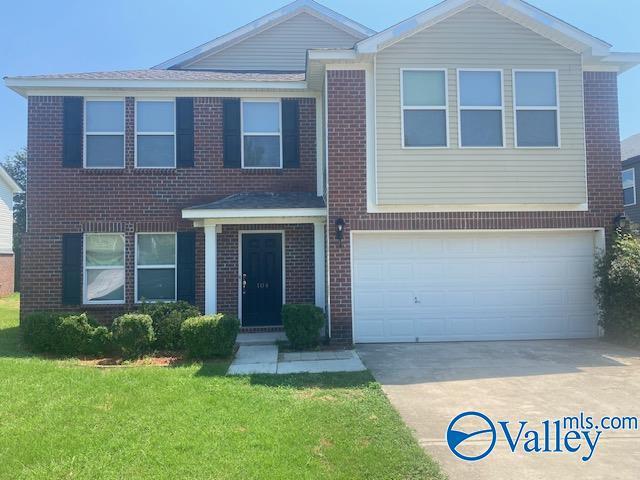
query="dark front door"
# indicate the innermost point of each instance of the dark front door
(261, 279)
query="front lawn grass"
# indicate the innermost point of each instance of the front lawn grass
(59, 420)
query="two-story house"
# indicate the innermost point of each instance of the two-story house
(449, 178)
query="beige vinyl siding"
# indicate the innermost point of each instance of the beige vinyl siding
(479, 38)
(6, 218)
(281, 47)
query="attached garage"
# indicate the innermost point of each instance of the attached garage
(466, 286)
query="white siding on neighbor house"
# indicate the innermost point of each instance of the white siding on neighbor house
(479, 38)
(6, 218)
(282, 47)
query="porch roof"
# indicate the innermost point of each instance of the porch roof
(268, 206)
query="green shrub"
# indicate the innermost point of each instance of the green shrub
(302, 324)
(39, 331)
(100, 341)
(67, 334)
(210, 335)
(74, 335)
(618, 288)
(167, 319)
(133, 334)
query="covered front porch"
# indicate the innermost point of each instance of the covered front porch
(262, 250)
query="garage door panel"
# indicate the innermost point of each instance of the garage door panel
(473, 286)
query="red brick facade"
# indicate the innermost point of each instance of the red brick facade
(347, 182)
(68, 200)
(7, 272)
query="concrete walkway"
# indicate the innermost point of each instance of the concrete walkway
(251, 359)
(430, 384)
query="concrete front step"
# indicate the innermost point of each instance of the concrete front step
(263, 338)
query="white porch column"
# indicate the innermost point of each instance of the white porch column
(210, 270)
(319, 264)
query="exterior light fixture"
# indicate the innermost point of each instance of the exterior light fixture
(340, 229)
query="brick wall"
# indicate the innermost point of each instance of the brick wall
(347, 182)
(299, 264)
(67, 200)
(6, 274)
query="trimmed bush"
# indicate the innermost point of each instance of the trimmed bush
(39, 331)
(167, 319)
(133, 334)
(302, 324)
(618, 288)
(67, 334)
(210, 335)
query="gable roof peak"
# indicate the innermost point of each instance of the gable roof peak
(516, 10)
(265, 22)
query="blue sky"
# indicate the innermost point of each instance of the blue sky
(42, 36)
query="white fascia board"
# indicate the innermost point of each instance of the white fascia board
(253, 213)
(262, 23)
(24, 85)
(11, 183)
(448, 8)
(618, 62)
(331, 55)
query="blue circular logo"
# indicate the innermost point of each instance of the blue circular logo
(466, 433)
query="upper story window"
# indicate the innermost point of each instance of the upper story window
(480, 108)
(104, 133)
(536, 108)
(104, 268)
(156, 267)
(155, 134)
(261, 134)
(424, 108)
(629, 186)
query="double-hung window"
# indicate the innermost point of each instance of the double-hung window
(480, 108)
(261, 134)
(104, 268)
(104, 133)
(536, 108)
(156, 267)
(629, 186)
(155, 134)
(424, 108)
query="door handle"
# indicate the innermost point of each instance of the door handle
(244, 283)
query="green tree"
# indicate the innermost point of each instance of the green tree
(16, 166)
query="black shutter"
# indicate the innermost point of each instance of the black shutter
(72, 269)
(232, 134)
(184, 132)
(72, 132)
(186, 254)
(290, 134)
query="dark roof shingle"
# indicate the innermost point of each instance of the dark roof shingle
(264, 200)
(188, 75)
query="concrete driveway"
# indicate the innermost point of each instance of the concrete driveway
(430, 384)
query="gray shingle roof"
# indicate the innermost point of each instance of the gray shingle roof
(264, 200)
(150, 74)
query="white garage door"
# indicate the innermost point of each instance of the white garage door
(428, 287)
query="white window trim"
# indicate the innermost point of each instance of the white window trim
(136, 133)
(255, 134)
(156, 267)
(490, 108)
(86, 134)
(544, 108)
(85, 300)
(633, 174)
(429, 108)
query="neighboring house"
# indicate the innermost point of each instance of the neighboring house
(8, 188)
(450, 178)
(631, 176)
